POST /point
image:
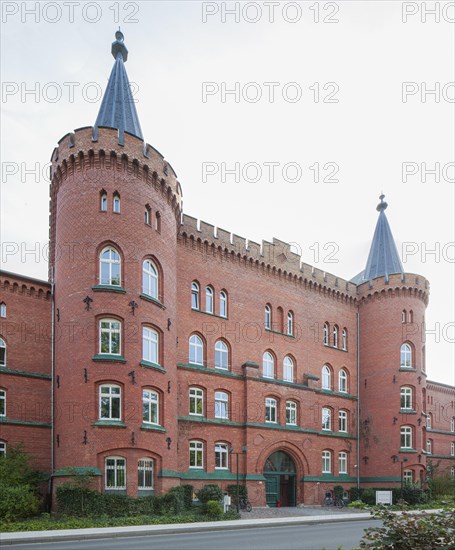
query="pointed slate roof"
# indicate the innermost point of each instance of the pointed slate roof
(117, 108)
(383, 259)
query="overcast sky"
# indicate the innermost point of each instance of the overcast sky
(335, 121)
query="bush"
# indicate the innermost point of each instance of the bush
(338, 490)
(413, 494)
(411, 532)
(210, 492)
(17, 502)
(354, 494)
(188, 491)
(368, 496)
(213, 509)
(79, 501)
(232, 492)
(357, 504)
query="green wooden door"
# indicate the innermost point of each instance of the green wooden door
(272, 489)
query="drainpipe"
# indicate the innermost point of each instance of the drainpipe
(358, 399)
(53, 385)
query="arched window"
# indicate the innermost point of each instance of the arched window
(2, 403)
(196, 350)
(411, 316)
(223, 304)
(103, 201)
(342, 421)
(290, 324)
(407, 477)
(221, 405)
(326, 334)
(110, 341)
(150, 407)
(403, 316)
(326, 419)
(343, 381)
(288, 369)
(196, 400)
(145, 474)
(194, 295)
(406, 398)
(452, 424)
(116, 203)
(268, 365)
(150, 279)
(452, 448)
(221, 456)
(2, 353)
(209, 299)
(291, 413)
(158, 222)
(335, 336)
(221, 355)
(429, 420)
(110, 267)
(268, 317)
(3, 310)
(147, 215)
(429, 446)
(344, 340)
(326, 378)
(271, 410)
(110, 402)
(196, 454)
(406, 356)
(406, 437)
(150, 345)
(343, 462)
(326, 462)
(115, 473)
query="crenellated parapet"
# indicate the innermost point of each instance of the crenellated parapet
(25, 286)
(402, 285)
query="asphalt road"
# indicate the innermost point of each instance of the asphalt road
(299, 537)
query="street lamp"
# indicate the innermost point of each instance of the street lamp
(231, 451)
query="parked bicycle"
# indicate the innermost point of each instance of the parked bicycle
(244, 504)
(331, 501)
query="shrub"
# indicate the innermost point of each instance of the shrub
(413, 494)
(188, 491)
(17, 502)
(79, 501)
(213, 509)
(358, 504)
(368, 496)
(354, 494)
(338, 490)
(210, 492)
(232, 492)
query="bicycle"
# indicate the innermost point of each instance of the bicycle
(330, 501)
(244, 504)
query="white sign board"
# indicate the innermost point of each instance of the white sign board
(383, 497)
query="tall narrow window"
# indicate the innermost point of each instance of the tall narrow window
(196, 397)
(103, 201)
(452, 471)
(147, 214)
(110, 267)
(452, 424)
(110, 336)
(407, 477)
(288, 369)
(326, 378)
(403, 316)
(291, 413)
(196, 350)
(335, 336)
(268, 365)
(2, 403)
(290, 325)
(150, 279)
(223, 304)
(150, 407)
(411, 316)
(110, 402)
(268, 317)
(343, 462)
(343, 381)
(209, 299)
(145, 474)
(406, 437)
(221, 355)
(344, 340)
(116, 203)
(2, 449)
(326, 462)
(406, 398)
(406, 356)
(221, 405)
(194, 295)
(326, 419)
(342, 421)
(2, 353)
(150, 345)
(326, 334)
(429, 446)
(270, 410)
(429, 421)
(452, 449)
(3, 310)
(158, 222)
(196, 454)
(221, 456)
(115, 473)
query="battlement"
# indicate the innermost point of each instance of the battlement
(407, 283)
(26, 286)
(276, 255)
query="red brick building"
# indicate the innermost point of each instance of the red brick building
(166, 351)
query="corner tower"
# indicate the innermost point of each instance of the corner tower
(114, 215)
(392, 364)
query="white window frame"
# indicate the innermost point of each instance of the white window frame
(452, 448)
(408, 476)
(150, 406)
(222, 405)
(290, 324)
(114, 328)
(221, 456)
(326, 462)
(291, 413)
(147, 215)
(196, 447)
(429, 446)
(326, 332)
(223, 304)
(195, 296)
(268, 365)
(403, 316)
(221, 355)
(196, 402)
(326, 378)
(406, 437)
(343, 421)
(2, 403)
(103, 202)
(113, 264)
(145, 469)
(406, 356)
(288, 369)
(150, 345)
(3, 310)
(106, 392)
(343, 381)
(209, 300)
(344, 340)
(116, 203)
(452, 424)
(2, 449)
(452, 471)
(116, 467)
(335, 336)
(326, 419)
(2, 353)
(150, 279)
(268, 317)
(343, 462)
(406, 398)
(196, 350)
(271, 406)
(429, 420)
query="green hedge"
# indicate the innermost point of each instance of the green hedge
(412, 494)
(17, 502)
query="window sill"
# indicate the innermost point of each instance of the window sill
(406, 450)
(107, 357)
(109, 288)
(152, 427)
(208, 313)
(109, 424)
(198, 468)
(196, 415)
(280, 333)
(335, 348)
(148, 298)
(408, 411)
(408, 369)
(149, 365)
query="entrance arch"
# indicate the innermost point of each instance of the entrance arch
(280, 480)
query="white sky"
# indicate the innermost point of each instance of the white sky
(368, 133)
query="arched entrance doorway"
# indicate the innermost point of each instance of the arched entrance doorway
(280, 480)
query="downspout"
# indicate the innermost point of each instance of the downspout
(358, 399)
(53, 385)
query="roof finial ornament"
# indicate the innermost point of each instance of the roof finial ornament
(382, 205)
(118, 47)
